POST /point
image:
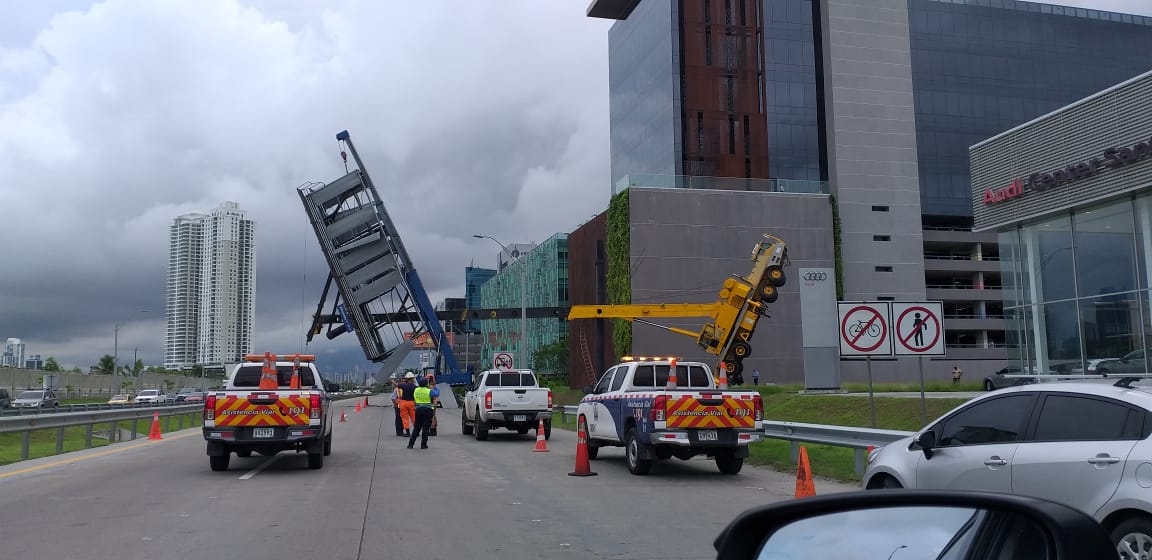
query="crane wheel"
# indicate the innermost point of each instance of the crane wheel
(770, 294)
(733, 367)
(741, 350)
(776, 275)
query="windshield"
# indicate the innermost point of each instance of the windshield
(149, 393)
(119, 397)
(31, 395)
(249, 376)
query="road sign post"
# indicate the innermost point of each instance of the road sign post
(918, 328)
(865, 331)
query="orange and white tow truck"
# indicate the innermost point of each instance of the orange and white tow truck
(267, 406)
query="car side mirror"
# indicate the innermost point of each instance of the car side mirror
(587, 389)
(929, 524)
(333, 388)
(927, 442)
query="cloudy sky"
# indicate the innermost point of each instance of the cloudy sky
(117, 116)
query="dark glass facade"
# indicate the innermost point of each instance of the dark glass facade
(980, 67)
(644, 78)
(474, 278)
(792, 105)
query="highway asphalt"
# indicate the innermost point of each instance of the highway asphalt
(373, 499)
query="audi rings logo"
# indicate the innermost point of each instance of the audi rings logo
(815, 276)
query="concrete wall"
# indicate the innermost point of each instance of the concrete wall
(93, 385)
(686, 242)
(871, 130)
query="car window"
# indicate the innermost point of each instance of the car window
(1074, 418)
(998, 420)
(249, 376)
(645, 376)
(621, 374)
(605, 382)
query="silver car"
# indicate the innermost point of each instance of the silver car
(1084, 444)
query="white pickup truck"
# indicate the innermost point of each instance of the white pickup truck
(511, 399)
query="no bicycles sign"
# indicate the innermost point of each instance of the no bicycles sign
(865, 328)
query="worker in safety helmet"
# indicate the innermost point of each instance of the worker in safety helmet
(407, 404)
(422, 396)
(435, 404)
(396, 405)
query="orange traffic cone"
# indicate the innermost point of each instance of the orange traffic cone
(541, 443)
(357, 406)
(365, 402)
(154, 433)
(342, 419)
(805, 486)
(582, 466)
(268, 377)
(723, 375)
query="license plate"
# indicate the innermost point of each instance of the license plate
(263, 432)
(519, 418)
(707, 435)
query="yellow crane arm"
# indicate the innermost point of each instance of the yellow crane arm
(635, 311)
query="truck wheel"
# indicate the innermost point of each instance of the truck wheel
(547, 429)
(590, 443)
(741, 349)
(770, 294)
(481, 433)
(636, 465)
(219, 462)
(776, 275)
(729, 463)
(315, 460)
(244, 453)
(328, 445)
(465, 427)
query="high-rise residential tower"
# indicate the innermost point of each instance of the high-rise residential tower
(211, 289)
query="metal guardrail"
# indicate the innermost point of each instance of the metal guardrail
(86, 407)
(858, 439)
(27, 423)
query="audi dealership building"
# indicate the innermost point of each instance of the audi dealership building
(1070, 197)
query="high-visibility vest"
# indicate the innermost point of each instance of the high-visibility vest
(423, 396)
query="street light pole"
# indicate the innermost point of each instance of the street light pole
(523, 299)
(894, 551)
(115, 348)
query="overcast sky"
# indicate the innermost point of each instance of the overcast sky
(117, 116)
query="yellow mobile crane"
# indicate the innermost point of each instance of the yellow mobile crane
(742, 301)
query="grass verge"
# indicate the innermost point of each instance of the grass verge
(42, 443)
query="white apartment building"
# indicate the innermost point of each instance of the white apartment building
(211, 289)
(13, 354)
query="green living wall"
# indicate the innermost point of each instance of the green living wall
(620, 269)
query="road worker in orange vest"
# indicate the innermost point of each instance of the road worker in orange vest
(408, 402)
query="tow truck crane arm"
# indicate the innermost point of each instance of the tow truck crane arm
(734, 315)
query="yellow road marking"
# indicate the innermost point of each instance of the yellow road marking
(89, 456)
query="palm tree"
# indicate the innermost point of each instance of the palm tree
(107, 364)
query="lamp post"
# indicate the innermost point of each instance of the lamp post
(116, 348)
(523, 299)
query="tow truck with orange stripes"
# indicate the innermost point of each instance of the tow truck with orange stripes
(660, 408)
(268, 405)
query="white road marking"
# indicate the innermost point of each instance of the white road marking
(262, 466)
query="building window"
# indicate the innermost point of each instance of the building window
(881, 238)
(708, 46)
(883, 269)
(731, 132)
(700, 133)
(880, 208)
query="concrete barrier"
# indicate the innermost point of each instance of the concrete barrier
(85, 385)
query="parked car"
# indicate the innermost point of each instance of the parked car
(121, 398)
(39, 398)
(999, 381)
(1132, 362)
(1082, 444)
(5, 399)
(196, 397)
(150, 396)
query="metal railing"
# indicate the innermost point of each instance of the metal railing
(26, 424)
(799, 186)
(85, 407)
(859, 439)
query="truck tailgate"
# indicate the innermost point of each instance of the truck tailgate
(263, 409)
(528, 398)
(710, 410)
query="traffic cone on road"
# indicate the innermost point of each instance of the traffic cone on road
(357, 406)
(365, 402)
(154, 433)
(805, 486)
(342, 419)
(541, 443)
(583, 468)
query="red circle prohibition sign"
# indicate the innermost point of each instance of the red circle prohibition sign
(904, 339)
(852, 340)
(504, 361)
